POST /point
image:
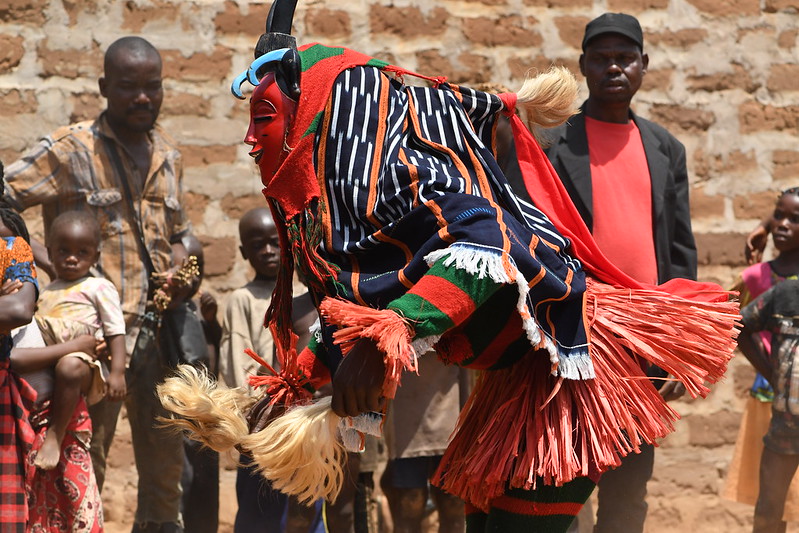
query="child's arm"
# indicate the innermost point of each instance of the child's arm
(115, 386)
(25, 360)
(753, 351)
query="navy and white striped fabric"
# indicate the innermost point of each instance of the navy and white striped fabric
(405, 171)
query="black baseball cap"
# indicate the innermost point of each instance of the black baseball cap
(621, 23)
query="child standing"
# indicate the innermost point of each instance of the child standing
(776, 311)
(742, 483)
(78, 303)
(261, 509)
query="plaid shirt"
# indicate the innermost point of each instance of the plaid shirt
(85, 167)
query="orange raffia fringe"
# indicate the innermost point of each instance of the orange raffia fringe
(523, 426)
(389, 331)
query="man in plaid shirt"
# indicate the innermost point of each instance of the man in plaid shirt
(125, 170)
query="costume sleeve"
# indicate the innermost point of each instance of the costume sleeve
(311, 364)
(463, 312)
(683, 246)
(109, 308)
(36, 177)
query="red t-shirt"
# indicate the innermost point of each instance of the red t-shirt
(622, 196)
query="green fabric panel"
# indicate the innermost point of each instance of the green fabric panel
(489, 319)
(314, 124)
(426, 318)
(315, 54)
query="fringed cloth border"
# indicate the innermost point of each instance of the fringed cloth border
(522, 425)
(482, 261)
(393, 334)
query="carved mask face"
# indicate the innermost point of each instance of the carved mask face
(271, 113)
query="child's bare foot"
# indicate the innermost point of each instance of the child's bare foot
(49, 454)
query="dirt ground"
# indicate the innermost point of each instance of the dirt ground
(683, 496)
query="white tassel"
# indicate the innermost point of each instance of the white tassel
(487, 261)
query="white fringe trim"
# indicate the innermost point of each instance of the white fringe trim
(487, 261)
(352, 429)
(315, 330)
(423, 345)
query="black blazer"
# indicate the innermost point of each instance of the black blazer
(675, 248)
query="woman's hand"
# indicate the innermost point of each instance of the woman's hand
(10, 287)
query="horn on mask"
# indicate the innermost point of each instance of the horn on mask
(276, 51)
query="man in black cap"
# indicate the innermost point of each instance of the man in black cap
(628, 179)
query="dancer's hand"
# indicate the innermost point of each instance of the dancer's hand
(358, 382)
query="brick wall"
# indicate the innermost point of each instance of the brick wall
(723, 78)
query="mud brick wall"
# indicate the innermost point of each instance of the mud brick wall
(723, 78)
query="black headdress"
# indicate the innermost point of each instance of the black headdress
(276, 51)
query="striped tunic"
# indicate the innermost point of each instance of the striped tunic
(408, 174)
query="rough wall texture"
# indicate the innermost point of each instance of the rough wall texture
(724, 78)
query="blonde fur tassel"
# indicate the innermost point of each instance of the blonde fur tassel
(300, 452)
(549, 99)
(208, 413)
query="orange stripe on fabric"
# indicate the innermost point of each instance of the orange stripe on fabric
(568, 282)
(404, 279)
(382, 237)
(533, 243)
(327, 223)
(412, 171)
(538, 277)
(457, 94)
(509, 334)
(455, 303)
(356, 279)
(440, 147)
(442, 222)
(527, 508)
(553, 246)
(379, 143)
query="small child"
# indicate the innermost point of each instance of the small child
(742, 483)
(261, 508)
(776, 311)
(243, 321)
(78, 303)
